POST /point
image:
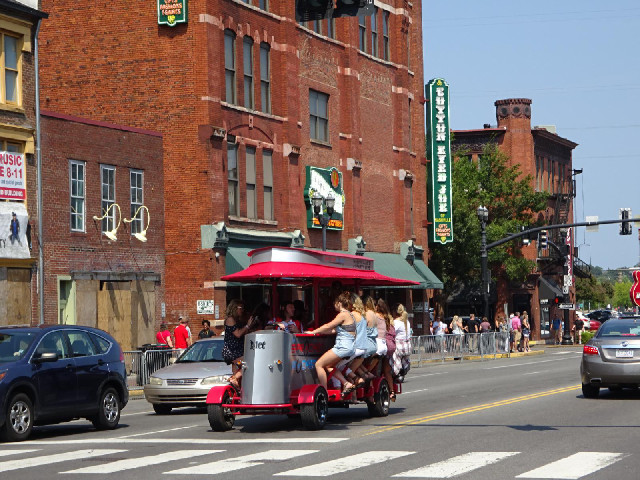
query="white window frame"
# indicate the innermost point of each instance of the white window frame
(265, 77)
(4, 70)
(136, 197)
(315, 119)
(233, 182)
(109, 222)
(231, 94)
(79, 197)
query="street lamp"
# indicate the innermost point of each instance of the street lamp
(111, 234)
(483, 216)
(323, 214)
(142, 236)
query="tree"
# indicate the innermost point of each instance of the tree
(511, 202)
(621, 296)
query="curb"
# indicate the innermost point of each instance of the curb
(486, 357)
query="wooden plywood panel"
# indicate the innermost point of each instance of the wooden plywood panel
(87, 302)
(114, 312)
(144, 309)
(18, 297)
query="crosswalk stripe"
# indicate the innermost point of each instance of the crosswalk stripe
(129, 463)
(238, 463)
(575, 466)
(194, 441)
(457, 465)
(56, 458)
(6, 453)
(345, 464)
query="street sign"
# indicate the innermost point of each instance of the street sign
(592, 228)
(566, 306)
(565, 289)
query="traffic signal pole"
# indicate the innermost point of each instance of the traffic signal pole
(486, 273)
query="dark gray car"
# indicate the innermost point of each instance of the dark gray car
(611, 359)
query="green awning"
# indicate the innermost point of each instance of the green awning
(237, 259)
(429, 278)
(394, 265)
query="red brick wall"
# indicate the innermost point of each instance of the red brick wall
(127, 69)
(90, 251)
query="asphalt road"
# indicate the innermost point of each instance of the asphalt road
(521, 417)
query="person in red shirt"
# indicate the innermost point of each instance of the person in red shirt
(163, 337)
(181, 334)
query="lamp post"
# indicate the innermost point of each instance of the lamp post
(323, 210)
(483, 216)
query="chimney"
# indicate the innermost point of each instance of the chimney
(511, 109)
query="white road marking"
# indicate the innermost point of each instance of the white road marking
(344, 464)
(57, 458)
(6, 453)
(162, 431)
(128, 464)
(457, 465)
(425, 375)
(532, 373)
(194, 441)
(575, 466)
(238, 463)
(564, 353)
(415, 391)
(522, 364)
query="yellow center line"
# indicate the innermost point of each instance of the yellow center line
(476, 408)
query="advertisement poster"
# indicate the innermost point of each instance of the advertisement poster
(14, 223)
(325, 182)
(12, 176)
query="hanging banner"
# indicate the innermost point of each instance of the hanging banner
(12, 176)
(172, 12)
(324, 182)
(439, 156)
(14, 227)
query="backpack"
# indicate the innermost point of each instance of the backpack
(390, 338)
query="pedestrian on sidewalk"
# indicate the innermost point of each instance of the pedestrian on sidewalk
(473, 326)
(526, 332)
(556, 329)
(578, 327)
(182, 334)
(163, 337)
(516, 329)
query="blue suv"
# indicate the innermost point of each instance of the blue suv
(58, 373)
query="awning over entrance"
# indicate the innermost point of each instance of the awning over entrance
(430, 279)
(394, 265)
(237, 259)
(549, 289)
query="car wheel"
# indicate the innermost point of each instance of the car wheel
(314, 415)
(19, 420)
(380, 405)
(161, 409)
(221, 419)
(590, 391)
(108, 410)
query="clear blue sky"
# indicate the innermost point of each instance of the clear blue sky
(578, 62)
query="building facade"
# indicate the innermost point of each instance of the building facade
(103, 226)
(19, 22)
(547, 157)
(252, 106)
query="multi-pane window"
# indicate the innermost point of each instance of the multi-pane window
(232, 176)
(108, 184)
(262, 4)
(374, 32)
(362, 32)
(319, 116)
(385, 36)
(230, 66)
(265, 78)
(408, 51)
(10, 65)
(267, 175)
(537, 173)
(252, 202)
(549, 174)
(410, 123)
(331, 27)
(77, 194)
(248, 72)
(137, 200)
(317, 26)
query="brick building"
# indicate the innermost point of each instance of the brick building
(98, 272)
(18, 171)
(547, 157)
(249, 104)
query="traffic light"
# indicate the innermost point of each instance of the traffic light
(558, 300)
(625, 227)
(526, 240)
(307, 10)
(543, 239)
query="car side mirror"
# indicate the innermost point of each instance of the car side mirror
(46, 357)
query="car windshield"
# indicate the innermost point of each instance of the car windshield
(620, 328)
(203, 351)
(14, 345)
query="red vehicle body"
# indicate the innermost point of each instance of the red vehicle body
(279, 368)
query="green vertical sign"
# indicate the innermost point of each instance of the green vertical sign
(439, 155)
(172, 12)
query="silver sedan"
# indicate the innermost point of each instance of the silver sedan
(188, 381)
(611, 359)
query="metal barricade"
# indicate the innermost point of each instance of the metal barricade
(134, 361)
(428, 348)
(141, 364)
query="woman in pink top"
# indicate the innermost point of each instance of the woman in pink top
(163, 337)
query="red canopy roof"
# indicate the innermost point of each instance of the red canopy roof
(321, 265)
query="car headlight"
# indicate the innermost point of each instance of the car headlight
(155, 381)
(215, 380)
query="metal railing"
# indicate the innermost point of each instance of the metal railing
(141, 364)
(442, 347)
